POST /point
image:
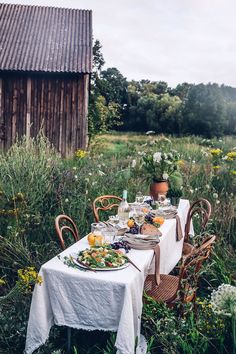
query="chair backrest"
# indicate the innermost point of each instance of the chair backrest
(189, 271)
(202, 208)
(105, 202)
(63, 224)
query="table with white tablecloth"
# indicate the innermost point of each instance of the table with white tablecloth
(101, 300)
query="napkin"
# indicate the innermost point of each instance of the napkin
(172, 214)
(142, 242)
(179, 232)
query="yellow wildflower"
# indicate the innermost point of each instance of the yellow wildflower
(216, 152)
(2, 282)
(181, 163)
(231, 155)
(80, 154)
(233, 173)
(28, 277)
(216, 167)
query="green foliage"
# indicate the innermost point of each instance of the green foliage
(171, 334)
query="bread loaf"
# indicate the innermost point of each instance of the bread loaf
(149, 229)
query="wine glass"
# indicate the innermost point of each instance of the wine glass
(139, 198)
(139, 218)
(114, 219)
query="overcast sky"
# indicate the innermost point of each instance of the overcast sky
(172, 40)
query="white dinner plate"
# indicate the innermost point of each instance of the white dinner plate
(103, 269)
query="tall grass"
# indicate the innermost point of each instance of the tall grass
(36, 185)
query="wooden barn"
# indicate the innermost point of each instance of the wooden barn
(45, 67)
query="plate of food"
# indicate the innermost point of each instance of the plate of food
(101, 258)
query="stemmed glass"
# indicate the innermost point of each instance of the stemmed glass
(139, 198)
(139, 218)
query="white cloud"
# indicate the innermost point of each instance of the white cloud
(175, 41)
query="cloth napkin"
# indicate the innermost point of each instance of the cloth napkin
(179, 232)
(173, 215)
(141, 243)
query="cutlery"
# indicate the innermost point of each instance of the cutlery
(86, 266)
(131, 262)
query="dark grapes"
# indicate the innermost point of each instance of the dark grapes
(121, 244)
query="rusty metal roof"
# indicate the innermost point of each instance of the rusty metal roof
(49, 39)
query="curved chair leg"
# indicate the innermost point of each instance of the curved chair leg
(68, 340)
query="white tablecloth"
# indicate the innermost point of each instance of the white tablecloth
(108, 300)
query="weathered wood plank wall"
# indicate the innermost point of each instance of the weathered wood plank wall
(57, 104)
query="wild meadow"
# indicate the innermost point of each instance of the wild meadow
(36, 185)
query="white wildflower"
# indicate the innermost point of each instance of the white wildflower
(133, 164)
(90, 174)
(99, 166)
(223, 300)
(215, 195)
(93, 183)
(193, 161)
(86, 192)
(168, 162)
(225, 157)
(76, 177)
(165, 176)
(191, 191)
(101, 173)
(208, 186)
(217, 202)
(141, 153)
(74, 168)
(157, 157)
(66, 200)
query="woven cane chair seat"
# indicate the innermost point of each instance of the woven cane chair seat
(166, 291)
(184, 286)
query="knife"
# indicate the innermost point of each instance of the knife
(131, 262)
(85, 265)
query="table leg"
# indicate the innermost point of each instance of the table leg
(68, 340)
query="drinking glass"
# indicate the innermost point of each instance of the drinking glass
(114, 219)
(139, 218)
(109, 236)
(139, 198)
(161, 199)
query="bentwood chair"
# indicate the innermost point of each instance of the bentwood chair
(201, 208)
(181, 288)
(104, 203)
(64, 224)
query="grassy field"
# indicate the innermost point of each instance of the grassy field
(36, 185)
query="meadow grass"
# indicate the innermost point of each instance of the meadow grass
(36, 185)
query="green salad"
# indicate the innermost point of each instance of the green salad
(102, 257)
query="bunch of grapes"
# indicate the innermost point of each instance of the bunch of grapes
(134, 230)
(149, 218)
(121, 244)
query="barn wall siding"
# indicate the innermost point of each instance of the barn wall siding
(56, 104)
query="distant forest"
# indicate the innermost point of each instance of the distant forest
(140, 106)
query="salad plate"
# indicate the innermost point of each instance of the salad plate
(101, 258)
(103, 269)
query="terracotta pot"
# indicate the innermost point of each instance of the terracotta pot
(158, 187)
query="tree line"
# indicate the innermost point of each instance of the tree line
(116, 103)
